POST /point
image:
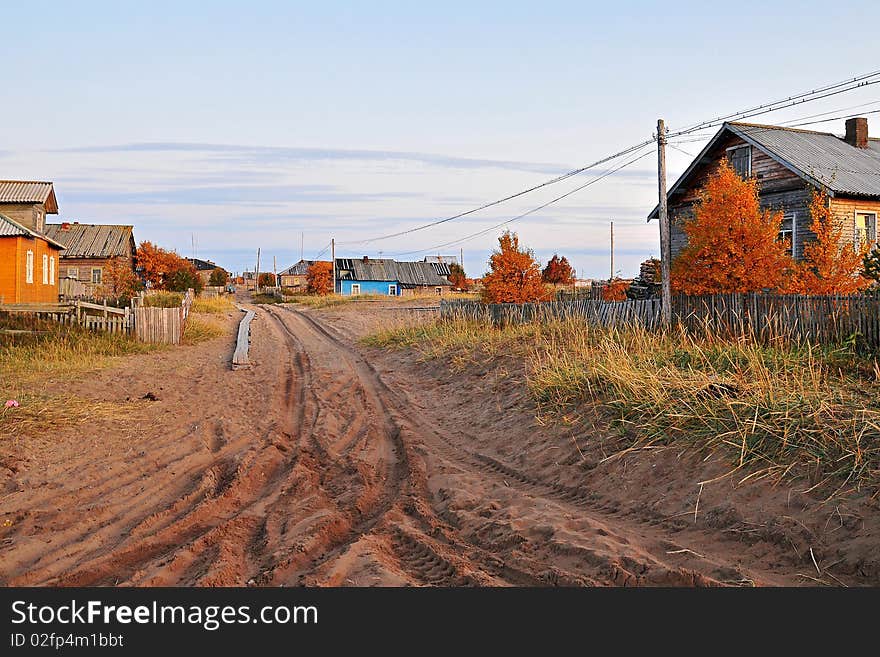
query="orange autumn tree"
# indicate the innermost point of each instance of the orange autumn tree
(558, 271)
(514, 275)
(120, 279)
(615, 290)
(830, 265)
(732, 244)
(319, 278)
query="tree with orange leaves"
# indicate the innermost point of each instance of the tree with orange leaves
(558, 271)
(514, 275)
(319, 278)
(615, 290)
(119, 279)
(830, 266)
(732, 243)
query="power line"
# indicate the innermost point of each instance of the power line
(826, 91)
(467, 238)
(835, 118)
(834, 111)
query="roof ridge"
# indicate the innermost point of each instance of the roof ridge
(28, 182)
(780, 127)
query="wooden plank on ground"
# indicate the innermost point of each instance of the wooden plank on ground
(240, 358)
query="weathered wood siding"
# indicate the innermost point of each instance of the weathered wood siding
(779, 189)
(30, 215)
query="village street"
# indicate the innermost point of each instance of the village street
(335, 464)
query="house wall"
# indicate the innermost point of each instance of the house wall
(367, 287)
(293, 280)
(844, 212)
(84, 267)
(30, 215)
(779, 189)
(13, 266)
(426, 289)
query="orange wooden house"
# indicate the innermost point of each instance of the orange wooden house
(29, 260)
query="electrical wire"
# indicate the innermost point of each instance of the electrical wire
(506, 222)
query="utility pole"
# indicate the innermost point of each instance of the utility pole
(275, 272)
(302, 241)
(333, 258)
(612, 252)
(461, 257)
(257, 274)
(665, 246)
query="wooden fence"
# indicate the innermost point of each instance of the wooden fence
(819, 319)
(162, 325)
(156, 325)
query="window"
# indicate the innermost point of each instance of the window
(97, 275)
(51, 270)
(29, 267)
(866, 229)
(355, 289)
(73, 272)
(439, 290)
(788, 231)
(740, 158)
(392, 290)
(45, 269)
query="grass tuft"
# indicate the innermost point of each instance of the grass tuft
(213, 306)
(778, 410)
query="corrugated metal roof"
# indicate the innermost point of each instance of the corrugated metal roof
(299, 269)
(91, 240)
(29, 191)
(203, 265)
(11, 228)
(405, 273)
(821, 156)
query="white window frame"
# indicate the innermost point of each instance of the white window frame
(100, 271)
(870, 230)
(439, 290)
(790, 232)
(29, 267)
(73, 272)
(355, 292)
(45, 269)
(51, 270)
(392, 290)
(739, 147)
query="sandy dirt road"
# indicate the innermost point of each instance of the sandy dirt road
(331, 464)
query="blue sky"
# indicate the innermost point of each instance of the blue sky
(249, 124)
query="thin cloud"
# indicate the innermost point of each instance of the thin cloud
(275, 154)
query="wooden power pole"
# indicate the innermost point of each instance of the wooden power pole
(612, 253)
(665, 244)
(257, 274)
(333, 259)
(275, 271)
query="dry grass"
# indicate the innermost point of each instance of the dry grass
(213, 306)
(201, 329)
(163, 300)
(45, 354)
(774, 410)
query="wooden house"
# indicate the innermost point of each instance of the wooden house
(28, 257)
(391, 278)
(789, 163)
(204, 268)
(294, 277)
(89, 249)
(28, 264)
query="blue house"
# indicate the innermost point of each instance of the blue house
(390, 278)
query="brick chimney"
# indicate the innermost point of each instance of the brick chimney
(857, 132)
(366, 258)
(65, 225)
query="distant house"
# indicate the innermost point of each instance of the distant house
(28, 257)
(294, 277)
(89, 249)
(788, 163)
(390, 278)
(205, 268)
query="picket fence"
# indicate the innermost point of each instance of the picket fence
(155, 325)
(826, 319)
